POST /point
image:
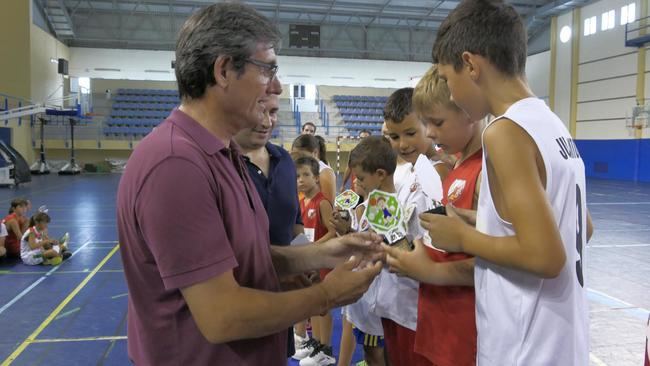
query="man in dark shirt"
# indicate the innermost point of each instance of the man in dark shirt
(274, 175)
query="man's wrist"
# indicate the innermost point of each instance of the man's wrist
(324, 301)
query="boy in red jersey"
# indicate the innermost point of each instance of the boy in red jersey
(446, 330)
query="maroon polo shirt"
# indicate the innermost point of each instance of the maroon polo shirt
(187, 212)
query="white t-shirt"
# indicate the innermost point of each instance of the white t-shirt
(523, 319)
(359, 313)
(322, 166)
(397, 297)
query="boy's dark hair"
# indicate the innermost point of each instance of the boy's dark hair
(322, 148)
(399, 105)
(310, 162)
(38, 218)
(228, 29)
(306, 142)
(488, 28)
(17, 202)
(372, 153)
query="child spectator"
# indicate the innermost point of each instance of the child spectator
(309, 145)
(16, 224)
(316, 213)
(3, 235)
(373, 162)
(36, 247)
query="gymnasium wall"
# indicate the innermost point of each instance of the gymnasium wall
(15, 68)
(606, 76)
(156, 65)
(605, 93)
(537, 68)
(46, 82)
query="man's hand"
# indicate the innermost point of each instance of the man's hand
(364, 246)
(345, 285)
(446, 231)
(414, 264)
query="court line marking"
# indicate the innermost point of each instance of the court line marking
(120, 295)
(60, 272)
(57, 310)
(596, 360)
(617, 230)
(63, 315)
(617, 304)
(85, 339)
(618, 245)
(35, 283)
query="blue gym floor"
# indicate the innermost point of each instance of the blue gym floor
(75, 314)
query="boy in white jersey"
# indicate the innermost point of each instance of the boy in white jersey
(417, 189)
(532, 220)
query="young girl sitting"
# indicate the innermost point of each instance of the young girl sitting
(37, 248)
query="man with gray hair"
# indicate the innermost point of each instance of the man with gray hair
(202, 275)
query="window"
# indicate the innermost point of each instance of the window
(628, 13)
(590, 26)
(608, 20)
(299, 91)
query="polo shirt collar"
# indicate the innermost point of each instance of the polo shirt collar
(208, 142)
(274, 150)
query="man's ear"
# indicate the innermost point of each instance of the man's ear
(472, 64)
(222, 67)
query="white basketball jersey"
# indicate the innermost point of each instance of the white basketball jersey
(523, 319)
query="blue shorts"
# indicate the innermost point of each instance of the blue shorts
(367, 340)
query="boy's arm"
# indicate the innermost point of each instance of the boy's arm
(326, 220)
(417, 265)
(519, 190)
(13, 226)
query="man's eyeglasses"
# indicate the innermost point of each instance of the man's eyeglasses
(269, 70)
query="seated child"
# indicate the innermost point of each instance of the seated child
(37, 248)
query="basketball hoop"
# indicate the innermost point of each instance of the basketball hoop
(639, 119)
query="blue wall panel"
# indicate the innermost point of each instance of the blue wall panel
(616, 159)
(644, 160)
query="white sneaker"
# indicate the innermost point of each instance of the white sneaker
(322, 356)
(305, 349)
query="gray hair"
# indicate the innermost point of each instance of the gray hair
(225, 29)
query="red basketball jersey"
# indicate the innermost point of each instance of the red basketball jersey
(310, 212)
(12, 243)
(446, 330)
